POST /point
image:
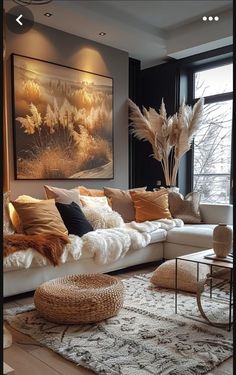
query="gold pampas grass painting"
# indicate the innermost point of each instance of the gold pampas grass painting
(170, 137)
(62, 122)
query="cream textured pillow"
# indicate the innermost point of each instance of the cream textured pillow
(121, 202)
(95, 202)
(186, 209)
(40, 217)
(164, 275)
(100, 219)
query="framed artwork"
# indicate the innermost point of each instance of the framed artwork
(63, 122)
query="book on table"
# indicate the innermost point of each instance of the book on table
(228, 258)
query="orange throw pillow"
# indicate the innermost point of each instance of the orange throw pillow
(91, 192)
(150, 205)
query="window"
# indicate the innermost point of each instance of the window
(212, 143)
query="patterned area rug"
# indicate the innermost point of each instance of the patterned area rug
(146, 337)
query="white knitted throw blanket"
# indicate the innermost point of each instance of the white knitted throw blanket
(105, 246)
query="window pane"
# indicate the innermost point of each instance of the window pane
(212, 153)
(214, 81)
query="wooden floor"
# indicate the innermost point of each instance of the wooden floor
(28, 357)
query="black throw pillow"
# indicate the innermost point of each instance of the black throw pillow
(74, 218)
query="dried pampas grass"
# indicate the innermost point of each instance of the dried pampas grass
(170, 137)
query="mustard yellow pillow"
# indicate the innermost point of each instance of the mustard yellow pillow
(40, 217)
(151, 205)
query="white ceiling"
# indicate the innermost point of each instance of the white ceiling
(144, 29)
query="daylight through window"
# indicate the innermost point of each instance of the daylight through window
(212, 144)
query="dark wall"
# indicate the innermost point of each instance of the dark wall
(134, 94)
(170, 82)
(158, 82)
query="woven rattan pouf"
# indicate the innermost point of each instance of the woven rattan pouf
(79, 298)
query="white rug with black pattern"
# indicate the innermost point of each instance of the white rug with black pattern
(146, 337)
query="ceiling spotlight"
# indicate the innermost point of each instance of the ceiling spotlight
(210, 18)
(47, 14)
(102, 33)
(204, 18)
(216, 18)
(32, 2)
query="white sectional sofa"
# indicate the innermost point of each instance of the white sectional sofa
(166, 245)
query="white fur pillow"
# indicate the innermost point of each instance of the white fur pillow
(95, 203)
(102, 219)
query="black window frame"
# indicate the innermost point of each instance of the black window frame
(208, 100)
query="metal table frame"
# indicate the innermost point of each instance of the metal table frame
(201, 285)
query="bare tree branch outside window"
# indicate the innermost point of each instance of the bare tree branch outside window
(212, 148)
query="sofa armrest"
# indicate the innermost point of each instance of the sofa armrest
(216, 213)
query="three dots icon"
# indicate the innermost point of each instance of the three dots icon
(210, 18)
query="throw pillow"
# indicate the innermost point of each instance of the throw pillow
(15, 219)
(95, 202)
(121, 202)
(186, 209)
(60, 195)
(151, 205)
(91, 192)
(8, 227)
(74, 218)
(40, 217)
(164, 275)
(100, 219)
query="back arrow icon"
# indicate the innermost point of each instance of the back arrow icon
(18, 20)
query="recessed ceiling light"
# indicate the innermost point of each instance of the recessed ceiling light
(102, 33)
(47, 14)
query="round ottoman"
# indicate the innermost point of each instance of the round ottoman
(79, 298)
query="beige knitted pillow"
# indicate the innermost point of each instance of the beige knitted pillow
(164, 275)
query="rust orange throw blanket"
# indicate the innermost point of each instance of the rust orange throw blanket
(49, 245)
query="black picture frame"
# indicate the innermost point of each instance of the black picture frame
(62, 122)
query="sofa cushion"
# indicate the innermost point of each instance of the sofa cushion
(15, 219)
(150, 205)
(74, 219)
(199, 235)
(40, 217)
(95, 203)
(91, 192)
(100, 219)
(164, 275)
(65, 196)
(186, 209)
(158, 235)
(121, 202)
